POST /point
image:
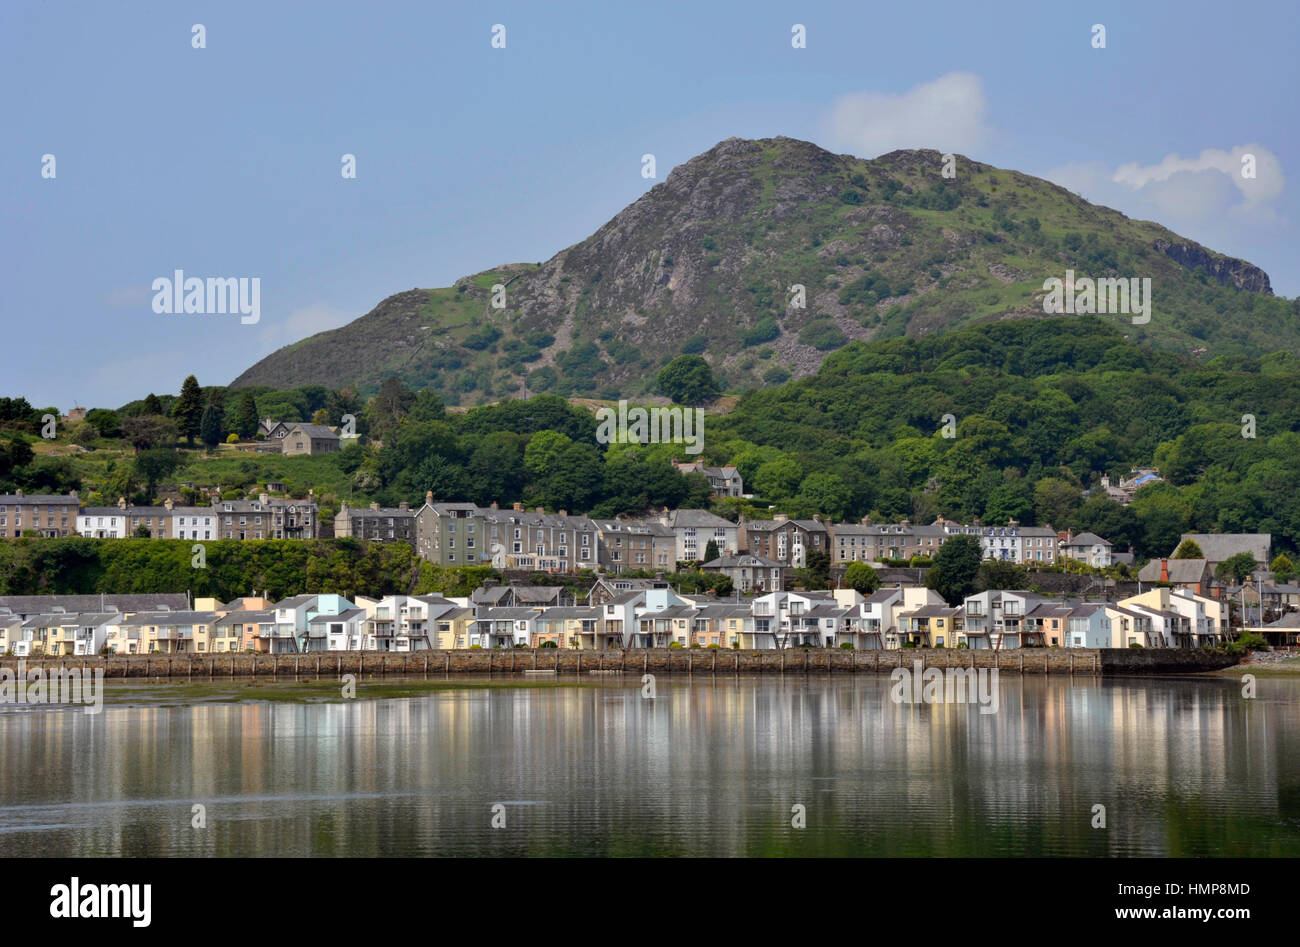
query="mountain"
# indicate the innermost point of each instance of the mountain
(703, 262)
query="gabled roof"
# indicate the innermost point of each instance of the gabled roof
(314, 430)
(744, 561)
(1220, 546)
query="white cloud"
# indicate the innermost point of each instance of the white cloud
(1184, 192)
(1264, 188)
(947, 113)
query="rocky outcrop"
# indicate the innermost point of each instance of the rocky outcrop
(1229, 271)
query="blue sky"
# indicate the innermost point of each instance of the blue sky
(225, 161)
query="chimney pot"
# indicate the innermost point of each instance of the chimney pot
(519, 507)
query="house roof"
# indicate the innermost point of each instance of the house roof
(1179, 570)
(1087, 539)
(1220, 546)
(314, 430)
(745, 561)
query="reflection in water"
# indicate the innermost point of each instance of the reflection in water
(1184, 767)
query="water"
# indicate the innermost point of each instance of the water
(1184, 767)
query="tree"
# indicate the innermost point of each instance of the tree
(20, 452)
(153, 465)
(1188, 549)
(148, 431)
(998, 574)
(188, 410)
(955, 567)
(861, 577)
(778, 479)
(1235, 568)
(1055, 501)
(210, 427)
(1283, 568)
(711, 551)
(816, 573)
(142, 532)
(152, 405)
(688, 380)
(246, 420)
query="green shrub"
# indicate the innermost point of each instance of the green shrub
(822, 334)
(846, 645)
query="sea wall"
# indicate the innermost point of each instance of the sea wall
(1106, 661)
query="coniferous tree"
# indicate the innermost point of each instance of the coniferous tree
(210, 427)
(246, 417)
(188, 410)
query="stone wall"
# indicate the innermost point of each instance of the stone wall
(690, 661)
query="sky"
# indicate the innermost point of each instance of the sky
(226, 160)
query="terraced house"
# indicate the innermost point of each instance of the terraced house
(266, 518)
(41, 514)
(635, 545)
(783, 540)
(545, 542)
(376, 523)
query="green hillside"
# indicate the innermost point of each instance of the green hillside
(703, 263)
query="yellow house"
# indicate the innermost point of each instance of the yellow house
(452, 629)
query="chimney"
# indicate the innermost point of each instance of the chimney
(375, 507)
(493, 505)
(263, 497)
(167, 503)
(817, 517)
(519, 507)
(564, 512)
(428, 496)
(404, 506)
(1164, 570)
(866, 521)
(780, 518)
(18, 493)
(540, 509)
(121, 503)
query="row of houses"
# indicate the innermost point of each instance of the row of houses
(615, 614)
(756, 554)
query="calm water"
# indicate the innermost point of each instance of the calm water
(1184, 767)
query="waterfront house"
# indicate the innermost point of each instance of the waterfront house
(1088, 626)
(1129, 627)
